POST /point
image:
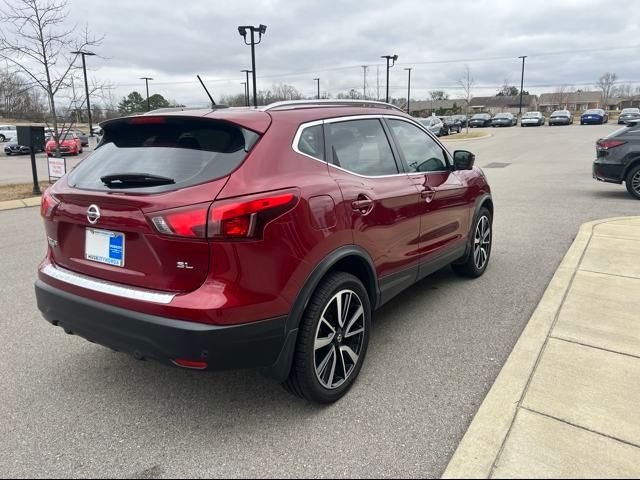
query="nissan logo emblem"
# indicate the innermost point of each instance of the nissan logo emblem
(93, 214)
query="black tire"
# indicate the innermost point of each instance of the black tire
(2, 139)
(468, 266)
(303, 380)
(632, 182)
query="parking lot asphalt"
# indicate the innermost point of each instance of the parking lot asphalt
(71, 408)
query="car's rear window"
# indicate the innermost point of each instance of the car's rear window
(189, 151)
(481, 116)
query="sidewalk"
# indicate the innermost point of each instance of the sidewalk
(25, 202)
(567, 401)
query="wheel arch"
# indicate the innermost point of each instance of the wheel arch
(350, 259)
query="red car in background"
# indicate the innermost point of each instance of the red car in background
(70, 144)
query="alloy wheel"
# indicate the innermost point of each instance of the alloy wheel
(339, 339)
(635, 182)
(482, 242)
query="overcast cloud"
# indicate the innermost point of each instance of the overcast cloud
(173, 41)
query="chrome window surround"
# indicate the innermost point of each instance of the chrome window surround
(302, 127)
(109, 288)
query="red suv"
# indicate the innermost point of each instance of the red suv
(240, 238)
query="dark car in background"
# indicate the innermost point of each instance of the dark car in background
(462, 119)
(504, 120)
(628, 114)
(450, 125)
(84, 138)
(561, 117)
(480, 120)
(618, 158)
(532, 119)
(594, 116)
(13, 148)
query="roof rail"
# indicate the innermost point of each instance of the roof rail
(329, 103)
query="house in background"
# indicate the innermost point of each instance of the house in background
(424, 108)
(574, 101)
(503, 104)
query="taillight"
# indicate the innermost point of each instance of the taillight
(247, 217)
(147, 120)
(182, 222)
(47, 204)
(609, 144)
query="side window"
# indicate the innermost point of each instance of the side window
(312, 142)
(361, 146)
(420, 151)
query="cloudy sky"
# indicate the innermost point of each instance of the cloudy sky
(569, 42)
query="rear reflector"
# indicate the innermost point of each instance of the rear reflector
(193, 364)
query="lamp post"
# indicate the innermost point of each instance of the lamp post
(409, 91)
(146, 81)
(522, 83)
(86, 85)
(246, 90)
(318, 80)
(246, 96)
(389, 58)
(262, 29)
(364, 81)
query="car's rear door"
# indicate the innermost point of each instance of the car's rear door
(381, 201)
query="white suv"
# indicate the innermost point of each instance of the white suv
(7, 132)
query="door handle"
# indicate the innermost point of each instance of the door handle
(363, 204)
(428, 193)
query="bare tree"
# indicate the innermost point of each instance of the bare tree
(561, 96)
(625, 91)
(35, 41)
(466, 82)
(606, 84)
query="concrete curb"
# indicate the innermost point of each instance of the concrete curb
(483, 441)
(23, 203)
(488, 135)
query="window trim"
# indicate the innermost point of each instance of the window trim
(392, 142)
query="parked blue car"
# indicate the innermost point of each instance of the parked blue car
(594, 116)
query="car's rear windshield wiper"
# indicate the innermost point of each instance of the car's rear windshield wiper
(133, 180)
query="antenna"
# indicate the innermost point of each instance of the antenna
(205, 89)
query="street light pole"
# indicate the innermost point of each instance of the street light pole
(86, 85)
(262, 29)
(389, 58)
(246, 90)
(318, 80)
(146, 81)
(522, 83)
(364, 81)
(409, 91)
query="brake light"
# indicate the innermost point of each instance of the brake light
(193, 364)
(47, 204)
(247, 218)
(146, 120)
(609, 144)
(182, 222)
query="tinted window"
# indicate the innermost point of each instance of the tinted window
(361, 146)
(420, 151)
(190, 151)
(312, 142)
(481, 116)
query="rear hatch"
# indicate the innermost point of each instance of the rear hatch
(135, 211)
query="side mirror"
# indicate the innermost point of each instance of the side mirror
(463, 160)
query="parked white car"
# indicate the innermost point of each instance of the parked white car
(7, 132)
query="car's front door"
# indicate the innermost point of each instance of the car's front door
(446, 206)
(382, 203)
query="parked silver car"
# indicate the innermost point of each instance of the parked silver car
(628, 114)
(7, 132)
(561, 117)
(533, 119)
(84, 138)
(433, 124)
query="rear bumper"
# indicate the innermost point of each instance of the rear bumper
(253, 345)
(608, 172)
